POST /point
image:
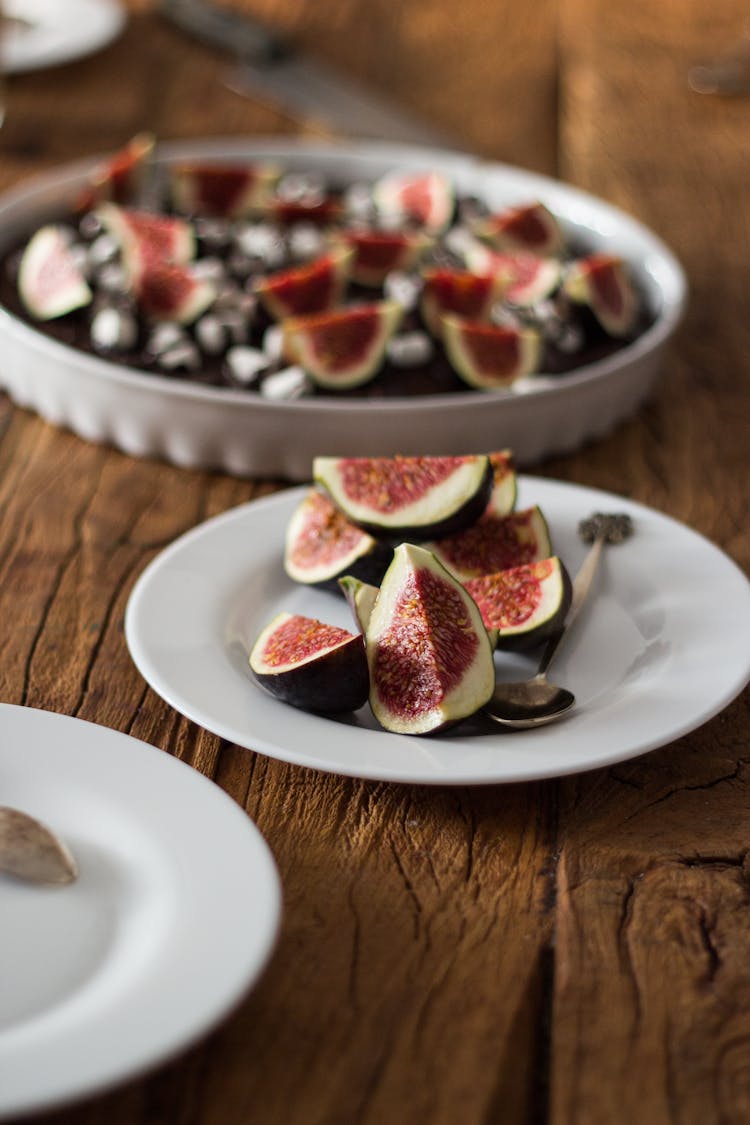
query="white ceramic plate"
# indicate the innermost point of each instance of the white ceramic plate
(50, 32)
(660, 649)
(171, 920)
(241, 433)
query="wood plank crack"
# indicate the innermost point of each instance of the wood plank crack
(732, 775)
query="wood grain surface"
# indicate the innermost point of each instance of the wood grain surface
(576, 951)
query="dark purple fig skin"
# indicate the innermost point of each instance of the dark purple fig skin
(335, 682)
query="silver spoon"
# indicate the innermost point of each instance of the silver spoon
(32, 852)
(530, 703)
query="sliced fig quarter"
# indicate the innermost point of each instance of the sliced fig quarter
(377, 253)
(424, 199)
(342, 348)
(311, 665)
(322, 545)
(495, 543)
(312, 288)
(429, 655)
(146, 239)
(224, 191)
(50, 283)
(601, 282)
(525, 604)
(527, 226)
(487, 356)
(461, 292)
(530, 278)
(168, 291)
(408, 497)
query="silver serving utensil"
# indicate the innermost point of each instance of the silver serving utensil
(531, 703)
(268, 67)
(31, 851)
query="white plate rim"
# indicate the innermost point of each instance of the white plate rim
(414, 765)
(89, 26)
(89, 752)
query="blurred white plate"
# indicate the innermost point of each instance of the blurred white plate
(241, 433)
(44, 33)
(171, 920)
(660, 647)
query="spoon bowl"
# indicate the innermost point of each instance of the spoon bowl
(529, 703)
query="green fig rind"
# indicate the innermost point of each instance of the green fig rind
(50, 284)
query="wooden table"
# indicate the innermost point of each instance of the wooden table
(574, 951)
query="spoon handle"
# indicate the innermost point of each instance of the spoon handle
(584, 578)
(581, 586)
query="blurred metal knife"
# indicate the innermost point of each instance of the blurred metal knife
(269, 67)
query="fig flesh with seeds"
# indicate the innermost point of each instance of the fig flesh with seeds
(320, 212)
(322, 545)
(146, 239)
(312, 288)
(342, 348)
(311, 665)
(601, 282)
(487, 356)
(495, 543)
(428, 652)
(528, 226)
(525, 604)
(421, 199)
(529, 277)
(461, 292)
(50, 283)
(222, 191)
(377, 253)
(414, 498)
(172, 292)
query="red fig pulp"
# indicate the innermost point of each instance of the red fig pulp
(429, 655)
(495, 543)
